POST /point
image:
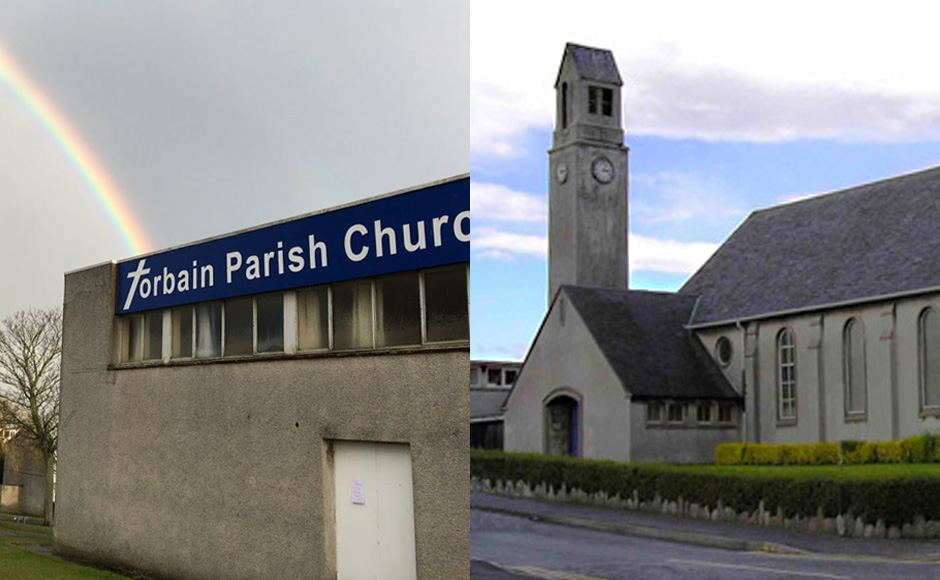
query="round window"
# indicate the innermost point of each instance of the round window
(723, 351)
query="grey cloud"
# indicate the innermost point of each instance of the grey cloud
(213, 116)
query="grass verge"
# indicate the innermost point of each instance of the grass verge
(19, 562)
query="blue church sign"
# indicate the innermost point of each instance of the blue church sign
(417, 229)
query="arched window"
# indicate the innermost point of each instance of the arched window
(928, 355)
(853, 368)
(564, 105)
(786, 376)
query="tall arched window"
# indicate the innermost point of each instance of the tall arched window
(564, 105)
(928, 355)
(853, 368)
(786, 376)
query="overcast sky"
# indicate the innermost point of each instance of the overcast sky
(728, 106)
(213, 116)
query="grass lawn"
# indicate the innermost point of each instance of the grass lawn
(19, 563)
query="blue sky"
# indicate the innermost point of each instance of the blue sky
(723, 115)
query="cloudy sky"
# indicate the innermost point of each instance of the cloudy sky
(728, 107)
(212, 116)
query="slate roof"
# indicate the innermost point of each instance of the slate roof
(644, 337)
(867, 241)
(487, 402)
(593, 64)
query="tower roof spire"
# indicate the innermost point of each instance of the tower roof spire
(594, 64)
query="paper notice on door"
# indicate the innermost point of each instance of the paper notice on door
(359, 492)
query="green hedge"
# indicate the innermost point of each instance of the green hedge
(729, 454)
(919, 449)
(896, 499)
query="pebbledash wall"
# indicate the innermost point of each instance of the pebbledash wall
(205, 421)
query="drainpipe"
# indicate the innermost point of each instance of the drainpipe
(740, 327)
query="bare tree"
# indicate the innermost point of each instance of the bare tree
(30, 357)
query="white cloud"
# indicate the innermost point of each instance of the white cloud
(499, 116)
(491, 243)
(492, 201)
(646, 253)
(667, 255)
(675, 196)
(720, 72)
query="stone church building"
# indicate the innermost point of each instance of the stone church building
(817, 320)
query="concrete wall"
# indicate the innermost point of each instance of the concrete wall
(10, 499)
(587, 219)
(222, 469)
(686, 443)
(565, 359)
(893, 391)
(24, 479)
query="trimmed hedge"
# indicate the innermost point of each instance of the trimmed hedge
(729, 454)
(896, 500)
(919, 449)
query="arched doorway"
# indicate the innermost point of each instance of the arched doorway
(561, 426)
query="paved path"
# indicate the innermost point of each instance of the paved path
(480, 570)
(537, 549)
(707, 533)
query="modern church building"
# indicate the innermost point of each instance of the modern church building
(817, 320)
(284, 402)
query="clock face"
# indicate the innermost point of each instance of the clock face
(603, 170)
(561, 174)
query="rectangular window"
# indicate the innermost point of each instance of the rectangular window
(510, 377)
(654, 413)
(474, 376)
(494, 377)
(592, 100)
(131, 337)
(270, 323)
(446, 304)
(725, 413)
(313, 318)
(675, 412)
(704, 413)
(607, 102)
(786, 376)
(398, 309)
(153, 335)
(209, 330)
(182, 339)
(238, 326)
(352, 315)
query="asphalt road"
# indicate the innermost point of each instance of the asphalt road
(564, 553)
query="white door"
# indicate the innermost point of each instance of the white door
(375, 524)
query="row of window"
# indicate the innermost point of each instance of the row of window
(405, 309)
(493, 376)
(854, 377)
(674, 413)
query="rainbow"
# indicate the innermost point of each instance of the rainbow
(78, 153)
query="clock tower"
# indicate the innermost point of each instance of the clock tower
(587, 175)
